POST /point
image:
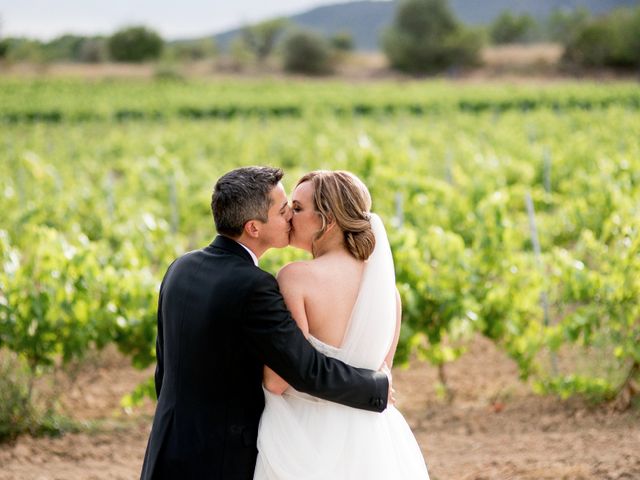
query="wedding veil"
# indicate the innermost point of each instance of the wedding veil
(373, 319)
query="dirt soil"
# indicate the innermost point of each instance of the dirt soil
(522, 64)
(494, 428)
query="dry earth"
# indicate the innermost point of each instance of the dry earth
(532, 64)
(493, 428)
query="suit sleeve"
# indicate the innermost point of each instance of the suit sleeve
(274, 336)
(159, 374)
(159, 349)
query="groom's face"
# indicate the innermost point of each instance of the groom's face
(275, 232)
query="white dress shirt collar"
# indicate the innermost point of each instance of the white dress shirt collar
(253, 255)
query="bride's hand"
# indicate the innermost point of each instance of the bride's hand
(385, 369)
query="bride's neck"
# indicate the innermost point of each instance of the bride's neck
(328, 246)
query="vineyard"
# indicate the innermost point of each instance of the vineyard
(513, 211)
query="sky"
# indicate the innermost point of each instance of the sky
(175, 19)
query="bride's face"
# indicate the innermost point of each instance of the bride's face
(306, 222)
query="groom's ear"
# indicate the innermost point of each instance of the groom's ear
(252, 229)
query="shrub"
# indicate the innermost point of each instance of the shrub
(192, 50)
(590, 47)
(465, 46)
(135, 44)
(426, 37)
(306, 52)
(92, 50)
(22, 410)
(239, 53)
(510, 28)
(65, 47)
(611, 41)
(342, 42)
(16, 410)
(562, 26)
(24, 50)
(168, 73)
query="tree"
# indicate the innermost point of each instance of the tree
(261, 38)
(342, 42)
(4, 43)
(609, 41)
(563, 25)
(135, 44)
(239, 52)
(24, 50)
(510, 28)
(306, 52)
(425, 36)
(65, 47)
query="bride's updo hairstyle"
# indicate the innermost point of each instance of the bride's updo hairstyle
(342, 197)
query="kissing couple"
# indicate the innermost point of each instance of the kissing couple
(259, 378)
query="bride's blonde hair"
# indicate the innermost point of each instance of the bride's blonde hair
(342, 197)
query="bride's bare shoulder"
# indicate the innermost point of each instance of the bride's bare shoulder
(296, 272)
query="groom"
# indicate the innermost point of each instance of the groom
(220, 320)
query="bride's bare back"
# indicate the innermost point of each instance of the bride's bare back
(321, 294)
(327, 287)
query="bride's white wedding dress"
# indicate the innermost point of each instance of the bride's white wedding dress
(304, 438)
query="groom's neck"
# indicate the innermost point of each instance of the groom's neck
(252, 244)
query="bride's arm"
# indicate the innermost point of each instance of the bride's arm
(394, 345)
(290, 283)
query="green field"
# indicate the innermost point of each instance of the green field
(105, 183)
(59, 100)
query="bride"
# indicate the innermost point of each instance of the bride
(346, 303)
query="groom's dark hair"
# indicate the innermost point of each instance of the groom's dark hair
(242, 195)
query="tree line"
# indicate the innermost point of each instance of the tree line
(425, 36)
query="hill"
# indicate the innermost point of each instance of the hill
(366, 20)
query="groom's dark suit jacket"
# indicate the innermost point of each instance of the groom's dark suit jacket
(220, 319)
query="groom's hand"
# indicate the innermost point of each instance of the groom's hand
(385, 369)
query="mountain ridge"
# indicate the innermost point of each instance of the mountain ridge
(365, 20)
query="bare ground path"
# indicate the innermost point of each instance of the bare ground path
(493, 429)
